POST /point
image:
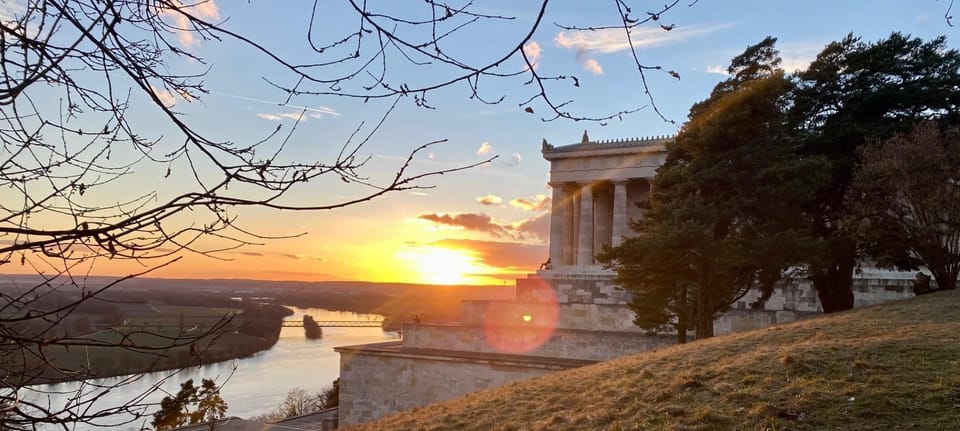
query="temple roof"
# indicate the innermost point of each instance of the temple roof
(644, 144)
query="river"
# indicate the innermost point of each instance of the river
(258, 383)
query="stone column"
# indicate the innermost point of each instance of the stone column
(557, 207)
(620, 219)
(570, 226)
(585, 239)
(602, 216)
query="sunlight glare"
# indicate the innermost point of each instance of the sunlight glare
(438, 265)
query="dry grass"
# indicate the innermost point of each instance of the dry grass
(889, 367)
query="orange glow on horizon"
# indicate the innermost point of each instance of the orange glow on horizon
(438, 265)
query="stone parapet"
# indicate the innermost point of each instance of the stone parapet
(593, 317)
(582, 287)
(558, 343)
(379, 379)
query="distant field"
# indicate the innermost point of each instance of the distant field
(150, 337)
(149, 315)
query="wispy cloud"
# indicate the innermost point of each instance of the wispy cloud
(296, 116)
(489, 200)
(716, 69)
(798, 56)
(9, 10)
(300, 108)
(166, 98)
(202, 9)
(593, 66)
(608, 41)
(301, 257)
(515, 160)
(533, 51)
(535, 203)
(535, 227)
(485, 148)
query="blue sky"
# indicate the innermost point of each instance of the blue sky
(486, 224)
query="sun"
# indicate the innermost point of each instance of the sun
(438, 265)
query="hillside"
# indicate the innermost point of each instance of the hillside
(895, 366)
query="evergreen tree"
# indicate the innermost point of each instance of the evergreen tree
(725, 212)
(854, 92)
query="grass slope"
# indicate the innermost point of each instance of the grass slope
(888, 367)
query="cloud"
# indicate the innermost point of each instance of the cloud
(716, 70)
(593, 66)
(202, 9)
(489, 200)
(515, 160)
(484, 149)
(533, 52)
(798, 56)
(299, 116)
(498, 254)
(536, 203)
(9, 10)
(538, 226)
(606, 41)
(522, 230)
(301, 257)
(166, 98)
(469, 221)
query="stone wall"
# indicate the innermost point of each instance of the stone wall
(559, 343)
(377, 383)
(800, 295)
(587, 287)
(567, 316)
(748, 320)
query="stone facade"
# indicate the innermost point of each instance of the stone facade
(380, 379)
(567, 315)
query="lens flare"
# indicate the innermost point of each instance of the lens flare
(521, 327)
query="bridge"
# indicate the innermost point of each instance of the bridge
(337, 323)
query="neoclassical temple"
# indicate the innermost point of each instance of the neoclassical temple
(597, 188)
(569, 314)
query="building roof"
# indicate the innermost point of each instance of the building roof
(612, 146)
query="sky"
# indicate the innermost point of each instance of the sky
(488, 224)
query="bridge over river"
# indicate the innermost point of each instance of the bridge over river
(336, 323)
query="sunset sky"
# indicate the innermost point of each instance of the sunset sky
(488, 224)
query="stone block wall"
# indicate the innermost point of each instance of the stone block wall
(572, 288)
(599, 317)
(748, 320)
(375, 385)
(558, 343)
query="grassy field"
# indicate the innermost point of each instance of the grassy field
(889, 367)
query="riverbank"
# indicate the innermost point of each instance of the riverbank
(158, 338)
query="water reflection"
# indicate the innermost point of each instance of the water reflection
(258, 383)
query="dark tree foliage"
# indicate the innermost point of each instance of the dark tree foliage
(854, 92)
(725, 213)
(904, 201)
(190, 406)
(330, 397)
